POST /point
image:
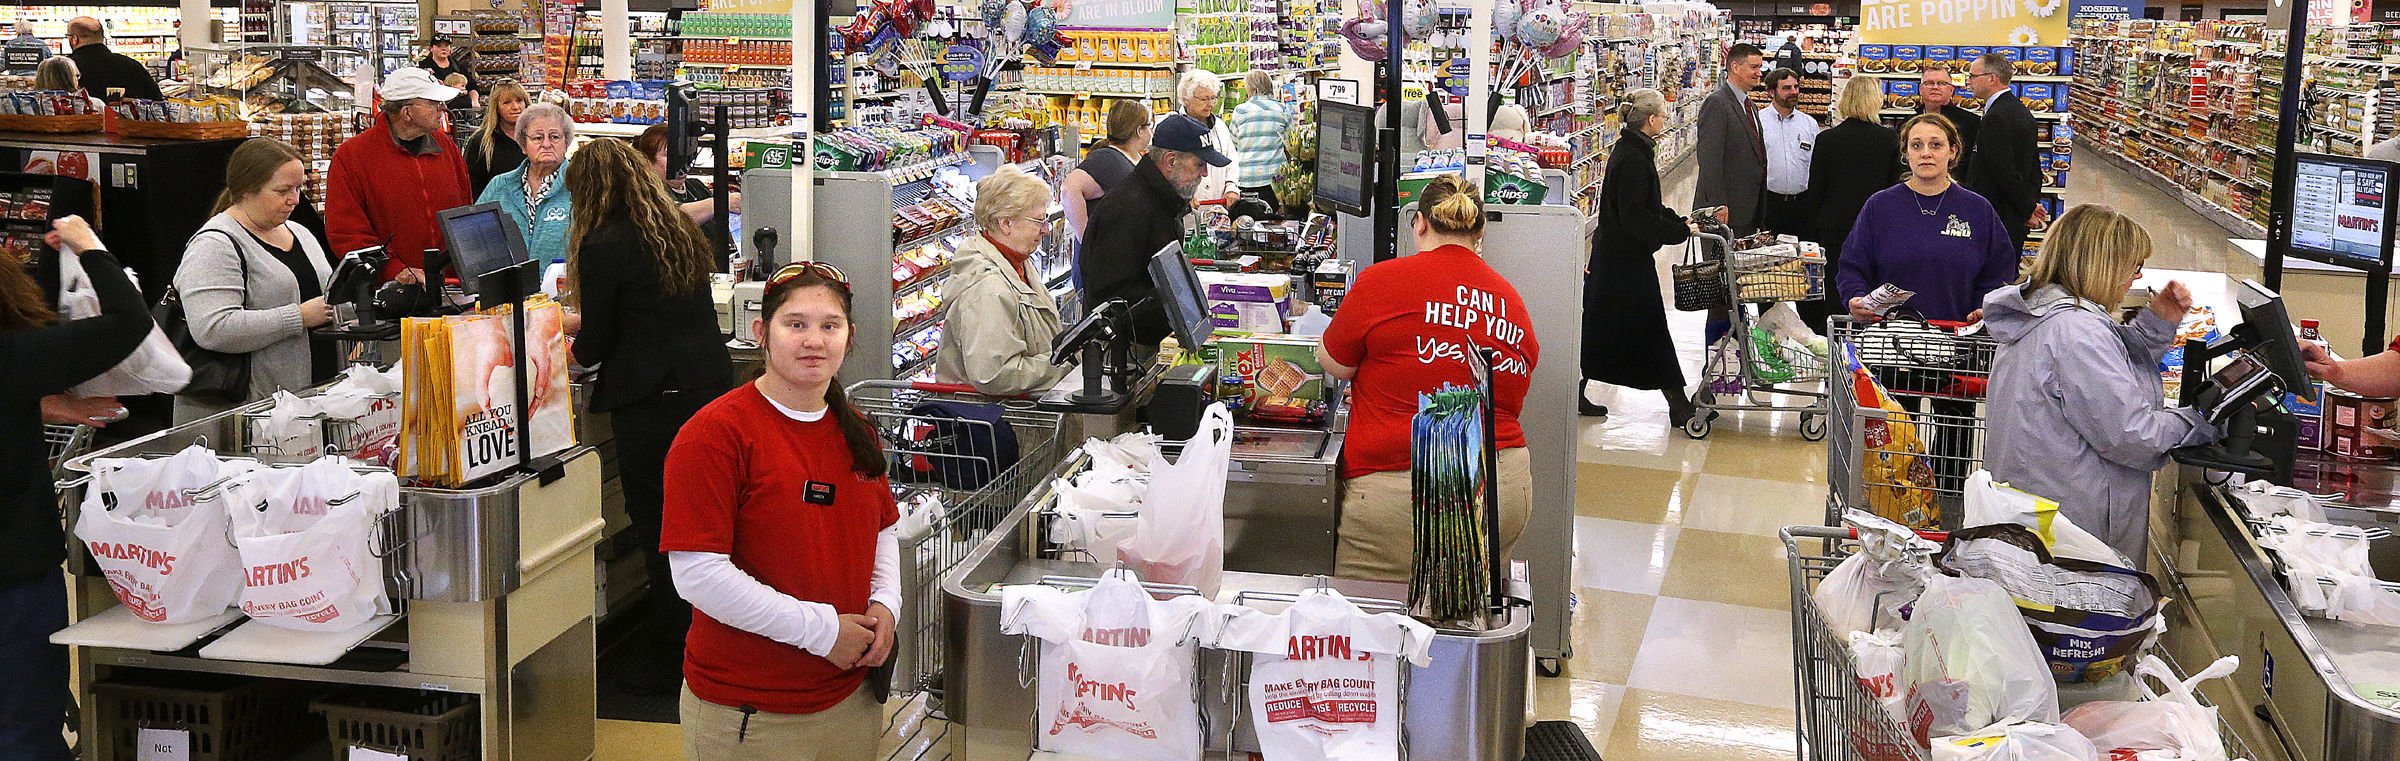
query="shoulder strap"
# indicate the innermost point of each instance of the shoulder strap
(240, 258)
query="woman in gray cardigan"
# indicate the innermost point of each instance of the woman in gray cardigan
(253, 282)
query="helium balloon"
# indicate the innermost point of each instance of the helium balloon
(1569, 40)
(1417, 19)
(1012, 25)
(1541, 27)
(993, 12)
(1504, 19)
(1366, 38)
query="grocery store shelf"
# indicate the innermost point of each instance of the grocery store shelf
(765, 66)
(2236, 224)
(1914, 75)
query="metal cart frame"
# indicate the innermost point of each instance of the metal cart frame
(1942, 378)
(1837, 719)
(1765, 278)
(974, 492)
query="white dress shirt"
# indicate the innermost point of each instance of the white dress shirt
(1790, 140)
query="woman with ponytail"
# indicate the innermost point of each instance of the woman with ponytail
(779, 529)
(1408, 328)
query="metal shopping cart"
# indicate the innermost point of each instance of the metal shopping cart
(1909, 465)
(952, 474)
(1758, 361)
(65, 442)
(1839, 718)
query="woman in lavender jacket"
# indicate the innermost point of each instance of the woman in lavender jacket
(1928, 234)
(2075, 401)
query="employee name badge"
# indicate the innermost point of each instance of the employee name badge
(1957, 228)
(817, 493)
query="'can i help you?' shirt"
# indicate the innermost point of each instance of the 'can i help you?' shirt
(1408, 325)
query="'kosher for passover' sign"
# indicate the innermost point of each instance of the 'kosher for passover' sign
(1963, 22)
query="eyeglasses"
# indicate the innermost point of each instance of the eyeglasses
(1042, 222)
(1974, 74)
(796, 269)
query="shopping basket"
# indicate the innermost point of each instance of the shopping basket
(1837, 717)
(976, 485)
(1938, 377)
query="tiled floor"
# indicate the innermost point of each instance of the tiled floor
(1682, 631)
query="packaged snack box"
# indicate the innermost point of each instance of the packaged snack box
(2041, 61)
(1875, 58)
(1941, 54)
(2039, 97)
(2010, 52)
(1901, 94)
(1270, 372)
(1908, 55)
(1967, 55)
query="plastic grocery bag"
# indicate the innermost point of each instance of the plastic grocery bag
(1180, 537)
(1325, 676)
(293, 428)
(156, 529)
(305, 536)
(2025, 741)
(1871, 589)
(1990, 502)
(1971, 662)
(2264, 501)
(2093, 621)
(1877, 658)
(154, 367)
(366, 404)
(2169, 724)
(1117, 668)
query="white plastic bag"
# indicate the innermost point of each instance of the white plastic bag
(1877, 658)
(156, 529)
(1990, 502)
(1325, 676)
(154, 367)
(1117, 668)
(1971, 661)
(2329, 573)
(1180, 538)
(305, 536)
(1868, 590)
(366, 401)
(293, 428)
(2263, 500)
(2170, 724)
(2024, 741)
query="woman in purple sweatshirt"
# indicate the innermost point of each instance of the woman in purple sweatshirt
(1928, 234)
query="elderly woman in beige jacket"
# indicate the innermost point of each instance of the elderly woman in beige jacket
(1002, 319)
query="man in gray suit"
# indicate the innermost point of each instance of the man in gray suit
(1733, 160)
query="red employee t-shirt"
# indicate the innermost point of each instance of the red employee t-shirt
(1406, 325)
(736, 483)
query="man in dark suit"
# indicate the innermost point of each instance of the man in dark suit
(1937, 94)
(2007, 169)
(1733, 160)
(107, 74)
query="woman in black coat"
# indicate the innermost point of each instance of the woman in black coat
(1625, 339)
(1834, 177)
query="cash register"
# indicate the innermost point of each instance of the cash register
(2245, 395)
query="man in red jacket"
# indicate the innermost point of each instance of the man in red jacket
(387, 183)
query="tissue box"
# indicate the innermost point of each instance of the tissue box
(1256, 303)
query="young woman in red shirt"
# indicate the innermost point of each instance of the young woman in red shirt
(1408, 327)
(779, 531)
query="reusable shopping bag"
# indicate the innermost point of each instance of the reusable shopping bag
(1899, 481)
(1971, 661)
(1117, 672)
(2022, 741)
(1325, 676)
(156, 529)
(2168, 724)
(2091, 620)
(1180, 537)
(459, 422)
(154, 367)
(1990, 502)
(305, 536)
(1871, 588)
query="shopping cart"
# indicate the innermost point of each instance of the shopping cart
(1838, 717)
(1759, 362)
(1938, 377)
(956, 472)
(64, 442)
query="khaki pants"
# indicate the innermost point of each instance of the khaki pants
(848, 731)
(1378, 530)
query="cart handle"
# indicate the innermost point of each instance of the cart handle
(1851, 532)
(925, 386)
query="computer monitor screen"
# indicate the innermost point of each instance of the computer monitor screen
(1180, 294)
(2277, 347)
(482, 240)
(2343, 211)
(1345, 156)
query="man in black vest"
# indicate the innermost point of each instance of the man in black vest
(107, 74)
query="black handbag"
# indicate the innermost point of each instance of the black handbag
(1699, 280)
(217, 377)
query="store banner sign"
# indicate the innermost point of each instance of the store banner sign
(777, 7)
(2106, 10)
(1963, 22)
(1121, 14)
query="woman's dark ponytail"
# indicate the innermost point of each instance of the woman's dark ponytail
(866, 448)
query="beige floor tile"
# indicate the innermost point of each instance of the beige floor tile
(1591, 705)
(1663, 726)
(1640, 439)
(1737, 505)
(1622, 556)
(1713, 650)
(639, 741)
(1753, 453)
(1607, 634)
(1636, 495)
(1735, 569)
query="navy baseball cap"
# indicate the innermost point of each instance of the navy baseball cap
(1184, 133)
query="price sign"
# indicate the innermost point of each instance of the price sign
(164, 745)
(962, 63)
(310, 55)
(26, 57)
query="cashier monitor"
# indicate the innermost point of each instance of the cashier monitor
(2243, 395)
(1180, 294)
(483, 241)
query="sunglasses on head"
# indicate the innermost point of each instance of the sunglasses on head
(796, 269)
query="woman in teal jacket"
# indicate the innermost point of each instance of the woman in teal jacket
(533, 193)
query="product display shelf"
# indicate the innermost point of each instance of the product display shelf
(385, 28)
(491, 38)
(2189, 106)
(1671, 49)
(144, 33)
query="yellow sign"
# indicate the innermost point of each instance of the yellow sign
(1963, 22)
(776, 7)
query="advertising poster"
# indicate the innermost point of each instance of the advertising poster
(1963, 22)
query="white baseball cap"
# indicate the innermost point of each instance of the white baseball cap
(410, 83)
